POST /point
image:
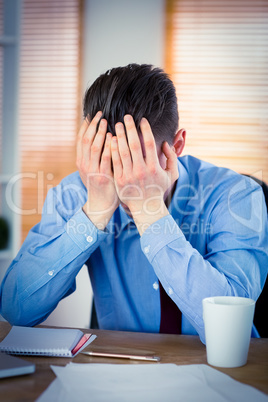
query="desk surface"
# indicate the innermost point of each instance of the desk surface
(178, 349)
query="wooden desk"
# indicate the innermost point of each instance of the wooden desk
(178, 349)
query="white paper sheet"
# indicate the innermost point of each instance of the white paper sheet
(146, 382)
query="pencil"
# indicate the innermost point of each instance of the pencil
(122, 356)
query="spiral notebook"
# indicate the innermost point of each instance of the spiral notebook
(45, 341)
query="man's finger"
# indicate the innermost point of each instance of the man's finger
(90, 133)
(81, 133)
(133, 141)
(83, 128)
(123, 148)
(172, 165)
(96, 147)
(149, 142)
(106, 158)
(117, 164)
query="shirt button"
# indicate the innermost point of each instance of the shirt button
(89, 239)
(50, 273)
(155, 286)
(146, 249)
(170, 291)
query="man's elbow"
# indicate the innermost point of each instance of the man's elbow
(13, 312)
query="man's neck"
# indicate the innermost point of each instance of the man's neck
(169, 194)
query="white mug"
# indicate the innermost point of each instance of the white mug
(228, 324)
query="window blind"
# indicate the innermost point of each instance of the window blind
(217, 53)
(50, 99)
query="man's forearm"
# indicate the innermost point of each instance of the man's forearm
(45, 269)
(148, 216)
(99, 218)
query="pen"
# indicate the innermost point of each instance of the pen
(123, 356)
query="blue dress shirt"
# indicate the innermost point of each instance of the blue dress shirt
(213, 242)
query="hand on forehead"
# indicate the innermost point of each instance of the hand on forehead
(139, 139)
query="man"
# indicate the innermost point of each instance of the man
(158, 233)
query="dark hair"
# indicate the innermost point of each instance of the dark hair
(139, 90)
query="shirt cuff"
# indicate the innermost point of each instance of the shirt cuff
(159, 234)
(83, 232)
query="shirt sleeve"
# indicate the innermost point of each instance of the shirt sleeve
(54, 251)
(234, 262)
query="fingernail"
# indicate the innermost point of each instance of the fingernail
(127, 117)
(119, 125)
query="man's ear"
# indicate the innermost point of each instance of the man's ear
(179, 141)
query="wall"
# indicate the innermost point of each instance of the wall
(116, 32)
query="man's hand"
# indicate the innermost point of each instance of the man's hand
(94, 164)
(141, 182)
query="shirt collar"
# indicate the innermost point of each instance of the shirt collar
(179, 201)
